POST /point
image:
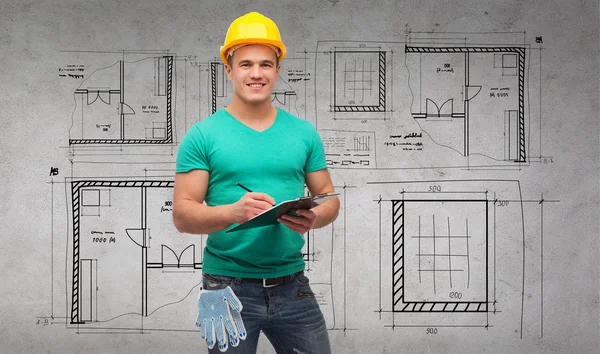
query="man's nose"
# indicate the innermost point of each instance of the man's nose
(255, 71)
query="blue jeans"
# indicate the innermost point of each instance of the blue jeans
(288, 315)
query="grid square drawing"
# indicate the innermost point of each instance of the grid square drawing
(440, 255)
(359, 80)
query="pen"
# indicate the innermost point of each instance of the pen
(246, 188)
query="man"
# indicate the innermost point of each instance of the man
(256, 145)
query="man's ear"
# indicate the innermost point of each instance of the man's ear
(278, 68)
(228, 71)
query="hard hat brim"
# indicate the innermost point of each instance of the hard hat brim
(278, 44)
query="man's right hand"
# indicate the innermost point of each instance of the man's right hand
(250, 205)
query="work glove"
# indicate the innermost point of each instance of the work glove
(218, 312)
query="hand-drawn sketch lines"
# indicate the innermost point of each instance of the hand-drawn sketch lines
(473, 92)
(128, 268)
(429, 102)
(359, 81)
(442, 256)
(126, 103)
(349, 148)
(328, 246)
(130, 106)
(452, 253)
(128, 261)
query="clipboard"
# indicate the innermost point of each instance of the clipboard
(269, 217)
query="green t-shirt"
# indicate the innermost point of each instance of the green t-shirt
(274, 162)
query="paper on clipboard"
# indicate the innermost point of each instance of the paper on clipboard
(269, 217)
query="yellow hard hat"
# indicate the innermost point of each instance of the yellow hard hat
(252, 28)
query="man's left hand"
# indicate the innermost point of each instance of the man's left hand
(302, 223)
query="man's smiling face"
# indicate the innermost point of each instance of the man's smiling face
(253, 70)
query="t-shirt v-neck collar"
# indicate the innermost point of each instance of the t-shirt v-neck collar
(269, 128)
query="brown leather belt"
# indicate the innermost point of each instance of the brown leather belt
(270, 282)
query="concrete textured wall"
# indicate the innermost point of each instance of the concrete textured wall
(537, 267)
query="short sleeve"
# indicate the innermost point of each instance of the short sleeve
(316, 157)
(191, 154)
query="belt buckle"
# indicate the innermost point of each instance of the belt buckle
(265, 285)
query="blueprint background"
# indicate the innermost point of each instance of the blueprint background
(36, 111)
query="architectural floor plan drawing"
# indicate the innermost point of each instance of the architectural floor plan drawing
(429, 101)
(462, 138)
(128, 269)
(129, 102)
(359, 81)
(442, 247)
(452, 253)
(444, 244)
(129, 263)
(131, 106)
(470, 98)
(327, 267)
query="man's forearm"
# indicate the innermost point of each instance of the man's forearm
(326, 213)
(196, 218)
